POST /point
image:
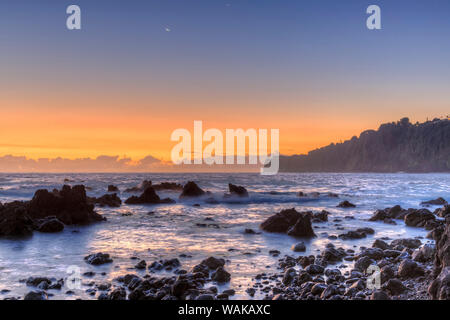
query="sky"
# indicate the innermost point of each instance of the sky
(138, 70)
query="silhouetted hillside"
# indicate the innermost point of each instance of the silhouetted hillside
(394, 147)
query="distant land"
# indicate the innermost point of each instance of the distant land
(395, 147)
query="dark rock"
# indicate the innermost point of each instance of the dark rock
(379, 295)
(409, 243)
(302, 228)
(191, 189)
(141, 187)
(363, 263)
(289, 276)
(419, 218)
(237, 190)
(321, 216)
(205, 297)
(281, 221)
(357, 234)
(438, 201)
(220, 275)
(346, 204)
(395, 287)
(299, 247)
(36, 295)
(109, 200)
(440, 287)
(35, 281)
(141, 265)
(213, 263)
(443, 212)
(117, 294)
(372, 253)
(333, 255)
(410, 269)
(98, 258)
(50, 225)
(149, 196)
(315, 269)
(14, 220)
(112, 188)
(424, 254)
(380, 244)
(168, 186)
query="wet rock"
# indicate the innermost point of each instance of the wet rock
(250, 231)
(440, 287)
(69, 205)
(408, 243)
(35, 281)
(299, 247)
(141, 265)
(168, 186)
(330, 291)
(98, 258)
(410, 269)
(321, 216)
(117, 294)
(314, 269)
(333, 255)
(356, 287)
(149, 196)
(14, 220)
(281, 221)
(220, 275)
(237, 190)
(386, 273)
(205, 297)
(424, 254)
(191, 189)
(346, 204)
(107, 200)
(213, 263)
(36, 295)
(380, 244)
(141, 187)
(50, 225)
(180, 286)
(443, 212)
(357, 234)
(395, 287)
(318, 288)
(306, 261)
(112, 188)
(386, 215)
(302, 228)
(363, 263)
(288, 276)
(419, 218)
(372, 253)
(379, 295)
(438, 201)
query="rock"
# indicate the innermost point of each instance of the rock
(302, 228)
(346, 204)
(205, 297)
(330, 291)
(379, 295)
(14, 220)
(299, 247)
(141, 187)
(318, 288)
(191, 189)
(410, 269)
(357, 234)
(315, 269)
(250, 231)
(443, 212)
(380, 244)
(36, 295)
(386, 273)
(409, 243)
(424, 254)
(281, 221)
(438, 201)
(112, 188)
(117, 294)
(395, 287)
(35, 281)
(98, 259)
(220, 275)
(69, 205)
(333, 255)
(356, 287)
(141, 265)
(213, 263)
(237, 190)
(50, 225)
(321, 216)
(149, 196)
(440, 286)
(288, 276)
(372, 253)
(363, 263)
(419, 218)
(180, 286)
(109, 200)
(388, 214)
(301, 194)
(168, 186)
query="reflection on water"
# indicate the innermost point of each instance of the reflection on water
(166, 231)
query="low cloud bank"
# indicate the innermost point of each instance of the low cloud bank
(10, 163)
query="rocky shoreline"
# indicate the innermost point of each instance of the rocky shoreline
(405, 268)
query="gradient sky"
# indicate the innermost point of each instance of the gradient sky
(123, 83)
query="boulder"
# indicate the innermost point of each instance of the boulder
(443, 212)
(299, 247)
(168, 186)
(112, 188)
(191, 189)
(333, 255)
(424, 254)
(36, 295)
(346, 204)
(418, 218)
(141, 187)
(14, 220)
(281, 221)
(98, 258)
(237, 190)
(50, 225)
(440, 287)
(220, 275)
(395, 287)
(380, 244)
(213, 263)
(363, 263)
(321, 216)
(302, 228)
(379, 295)
(149, 196)
(408, 243)
(410, 269)
(357, 234)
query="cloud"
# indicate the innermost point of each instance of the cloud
(103, 163)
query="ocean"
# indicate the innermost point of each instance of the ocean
(154, 232)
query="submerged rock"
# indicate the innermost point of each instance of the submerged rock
(346, 204)
(110, 200)
(290, 221)
(299, 247)
(438, 201)
(50, 225)
(112, 188)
